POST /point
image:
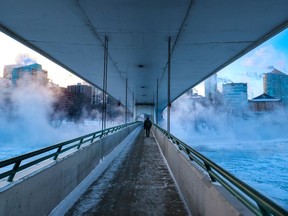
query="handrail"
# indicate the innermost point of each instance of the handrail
(252, 199)
(45, 153)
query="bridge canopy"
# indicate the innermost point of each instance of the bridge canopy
(205, 37)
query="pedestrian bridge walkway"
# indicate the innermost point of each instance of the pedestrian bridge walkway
(136, 183)
(119, 171)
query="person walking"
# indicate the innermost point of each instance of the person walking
(147, 126)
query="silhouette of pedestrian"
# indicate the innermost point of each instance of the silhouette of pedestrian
(147, 126)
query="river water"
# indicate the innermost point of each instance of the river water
(263, 169)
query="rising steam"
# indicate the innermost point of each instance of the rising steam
(25, 59)
(25, 122)
(213, 127)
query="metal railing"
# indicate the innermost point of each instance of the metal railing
(16, 164)
(255, 201)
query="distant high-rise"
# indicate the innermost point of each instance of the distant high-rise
(276, 85)
(7, 72)
(96, 95)
(211, 87)
(235, 95)
(81, 89)
(33, 71)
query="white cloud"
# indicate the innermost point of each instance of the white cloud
(263, 57)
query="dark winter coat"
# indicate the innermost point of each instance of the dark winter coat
(147, 124)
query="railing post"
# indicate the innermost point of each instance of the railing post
(57, 153)
(208, 169)
(263, 210)
(81, 140)
(93, 138)
(15, 167)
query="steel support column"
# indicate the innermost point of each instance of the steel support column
(169, 73)
(104, 99)
(126, 101)
(133, 107)
(157, 101)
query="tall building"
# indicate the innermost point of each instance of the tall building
(235, 95)
(65, 99)
(7, 72)
(276, 85)
(33, 71)
(211, 88)
(97, 95)
(81, 89)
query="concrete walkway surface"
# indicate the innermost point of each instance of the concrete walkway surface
(139, 185)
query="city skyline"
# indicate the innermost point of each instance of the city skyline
(248, 69)
(251, 67)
